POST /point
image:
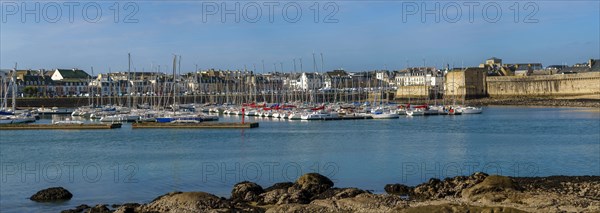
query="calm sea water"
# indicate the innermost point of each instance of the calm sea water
(125, 165)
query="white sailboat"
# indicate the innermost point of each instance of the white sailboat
(383, 114)
(296, 115)
(66, 122)
(415, 112)
(319, 115)
(471, 110)
(15, 118)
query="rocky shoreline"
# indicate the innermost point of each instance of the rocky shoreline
(313, 192)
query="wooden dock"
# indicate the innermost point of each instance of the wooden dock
(58, 126)
(201, 125)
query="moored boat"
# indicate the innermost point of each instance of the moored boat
(415, 112)
(471, 110)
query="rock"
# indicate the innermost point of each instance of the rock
(283, 185)
(299, 208)
(493, 183)
(186, 202)
(475, 193)
(581, 186)
(126, 207)
(363, 203)
(349, 193)
(246, 191)
(99, 209)
(272, 196)
(492, 189)
(246, 208)
(449, 208)
(313, 183)
(398, 189)
(82, 207)
(295, 195)
(77, 209)
(429, 190)
(307, 188)
(52, 194)
(435, 188)
(337, 193)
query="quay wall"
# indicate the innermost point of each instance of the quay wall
(543, 86)
(416, 91)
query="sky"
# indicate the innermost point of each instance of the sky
(352, 35)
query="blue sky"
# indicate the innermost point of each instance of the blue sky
(367, 34)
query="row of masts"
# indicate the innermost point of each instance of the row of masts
(223, 91)
(247, 89)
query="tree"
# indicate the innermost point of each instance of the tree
(30, 91)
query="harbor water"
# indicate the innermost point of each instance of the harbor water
(137, 165)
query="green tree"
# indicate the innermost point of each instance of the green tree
(30, 91)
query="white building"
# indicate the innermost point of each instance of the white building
(310, 81)
(336, 79)
(419, 77)
(70, 81)
(419, 82)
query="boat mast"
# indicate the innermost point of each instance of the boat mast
(313, 92)
(91, 90)
(174, 87)
(5, 93)
(302, 93)
(14, 89)
(128, 80)
(322, 77)
(179, 74)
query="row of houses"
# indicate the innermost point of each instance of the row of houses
(57, 82)
(76, 82)
(497, 68)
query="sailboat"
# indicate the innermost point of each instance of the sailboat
(382, 111)
(415, 112)
(471, 110)
(12, 117)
